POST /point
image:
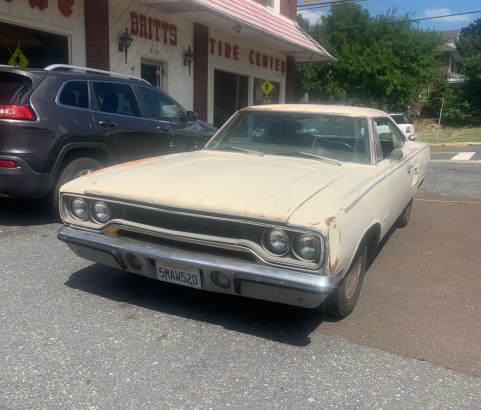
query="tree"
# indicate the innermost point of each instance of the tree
(383, 62)
(469, 42)
(469, 45)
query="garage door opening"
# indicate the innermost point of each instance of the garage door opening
(26, 47)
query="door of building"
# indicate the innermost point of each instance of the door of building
(153, 73)
(231, 92)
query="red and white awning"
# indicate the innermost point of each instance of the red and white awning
(247, 19)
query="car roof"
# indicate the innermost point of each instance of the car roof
(319, 108)
(68, 71)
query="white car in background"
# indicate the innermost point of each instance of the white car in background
(405, 124)
(285, 203)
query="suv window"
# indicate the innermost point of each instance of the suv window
(116, 98)
(75, 94)
(13, 88)
(161, 107)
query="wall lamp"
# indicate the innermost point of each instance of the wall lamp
(188, 58)
(125, 40)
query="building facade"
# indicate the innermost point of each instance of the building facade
(213, 56)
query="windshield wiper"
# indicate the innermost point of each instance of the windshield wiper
(245, 151)
(314, 156)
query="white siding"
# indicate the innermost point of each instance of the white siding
(20, 12)
(177, 81)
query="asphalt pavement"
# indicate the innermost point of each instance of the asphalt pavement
(76, 335)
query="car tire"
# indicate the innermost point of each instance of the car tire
(341, 302)
(74, 169)
(403, 219)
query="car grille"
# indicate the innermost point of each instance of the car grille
(198, 225)
(230, 238)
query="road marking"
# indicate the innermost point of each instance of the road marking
(474, 201)
(450, 160)
(463, 156)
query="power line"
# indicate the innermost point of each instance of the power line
(326, 4)
(414, 20)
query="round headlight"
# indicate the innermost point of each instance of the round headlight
(101, 212)
(307, 246)
(277, 241)
(79, 208)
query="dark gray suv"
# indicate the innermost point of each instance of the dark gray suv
(61, 122)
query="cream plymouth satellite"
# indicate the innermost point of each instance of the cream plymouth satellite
(286, 203)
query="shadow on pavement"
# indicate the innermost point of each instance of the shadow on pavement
(280, 323)
(23, 212)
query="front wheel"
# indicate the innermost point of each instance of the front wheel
(74, 169)
(343, 299)
(403, 219)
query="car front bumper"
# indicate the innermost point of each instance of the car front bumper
(246, 279)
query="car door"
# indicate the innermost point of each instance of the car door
(397, 169)
(181, 128)
(121, 126)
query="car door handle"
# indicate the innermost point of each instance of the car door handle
(107, 123)
(410, 168)
(164, 128)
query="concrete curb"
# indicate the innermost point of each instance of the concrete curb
(454, 144)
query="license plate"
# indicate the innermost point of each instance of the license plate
(179, 274)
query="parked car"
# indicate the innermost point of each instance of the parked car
(62, 121)
(286, 203)
(405, 124)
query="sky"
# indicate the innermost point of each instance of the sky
(420, 9)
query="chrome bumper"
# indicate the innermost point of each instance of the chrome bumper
(247, 279)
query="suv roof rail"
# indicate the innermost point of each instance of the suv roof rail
(93, 70)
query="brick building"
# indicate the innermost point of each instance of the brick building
(213, 56)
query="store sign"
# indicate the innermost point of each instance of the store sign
(65, 6)
(256, 58)
(153, 29)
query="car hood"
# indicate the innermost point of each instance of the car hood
(234, 184)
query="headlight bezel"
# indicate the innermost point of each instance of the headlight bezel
(293, 245)
(91, 214)
(73, 213)
(317, 246)
(95, 213)
(269, 237)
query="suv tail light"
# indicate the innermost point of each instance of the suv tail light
(408, 129)
(16, 112)
(7, 163)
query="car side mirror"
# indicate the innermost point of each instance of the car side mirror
(191, 116)
(396, 155)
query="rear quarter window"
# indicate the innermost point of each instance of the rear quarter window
(75, 94)
(14, 89)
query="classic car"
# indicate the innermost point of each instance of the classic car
(285, 203)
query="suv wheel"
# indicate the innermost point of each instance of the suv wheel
(74, 169)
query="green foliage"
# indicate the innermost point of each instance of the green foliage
(383, 62)
(469, 43)
(472, 91)
(469, 46)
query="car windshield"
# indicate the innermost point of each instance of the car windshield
(319, 136)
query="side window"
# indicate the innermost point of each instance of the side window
(388, 137)
(116, 98)
(160, 107)
(75, 94)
